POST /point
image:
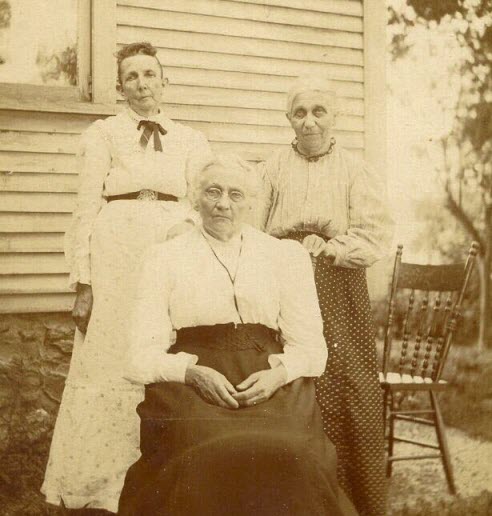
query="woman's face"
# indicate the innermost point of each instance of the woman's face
(312, 117)
(223, 201)
(142, 83)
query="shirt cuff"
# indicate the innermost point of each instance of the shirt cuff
(175, 365)
(339, 251)
(293, 366)
(77, 277)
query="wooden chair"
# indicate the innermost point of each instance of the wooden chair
(433, 296)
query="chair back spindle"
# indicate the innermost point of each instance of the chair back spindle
(435, 295)
(391, 308)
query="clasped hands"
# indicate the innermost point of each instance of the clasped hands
(318, 247)
(216, 389)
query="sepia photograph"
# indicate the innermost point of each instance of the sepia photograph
(245, 257)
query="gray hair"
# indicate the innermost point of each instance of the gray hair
(312, 83)
(229, 161)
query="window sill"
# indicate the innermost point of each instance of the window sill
(50, 99)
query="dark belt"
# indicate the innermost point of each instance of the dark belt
(143, 195)
(300, 235)
(226, 336)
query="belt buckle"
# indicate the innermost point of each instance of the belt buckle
(147, 195)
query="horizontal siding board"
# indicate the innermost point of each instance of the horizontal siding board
(246, 81)
(39, 182)
(199, 24)
(229, 45)
(34, 222)
(194, 95)
(338, 66)
(44, 122)
(38, 142)
(235, 10)
(37, 162)
(35, 202)
(34, 284)
(347, 7)
(187, 114)
(32, 263)
(32, 303)
(275, 135)
(31, 242)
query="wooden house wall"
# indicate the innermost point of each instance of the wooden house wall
(229, 64)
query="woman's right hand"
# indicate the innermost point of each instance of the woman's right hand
(82, 307)
(212, 386)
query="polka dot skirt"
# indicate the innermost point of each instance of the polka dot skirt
(348, 392)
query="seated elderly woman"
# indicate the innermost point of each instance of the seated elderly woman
(229, 424)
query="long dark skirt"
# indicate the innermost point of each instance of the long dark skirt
(200, 459)
(348, 392)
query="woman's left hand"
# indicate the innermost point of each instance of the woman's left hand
(314, 244)
(317, 246)
(179, 229)
(260, 386)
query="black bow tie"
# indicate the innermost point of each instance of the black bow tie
(149, 128)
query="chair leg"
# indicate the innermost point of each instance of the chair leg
(443, 445)
(385, 411)
(391, 435)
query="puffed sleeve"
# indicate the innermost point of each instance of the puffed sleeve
(94, 161)
(150, 326)
(300, 323)
(199, 155)
(370, 224)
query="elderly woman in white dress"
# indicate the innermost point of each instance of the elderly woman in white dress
(320, 195)
(230, 424)
(135, 172)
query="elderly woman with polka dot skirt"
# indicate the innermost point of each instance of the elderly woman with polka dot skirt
(320, 195)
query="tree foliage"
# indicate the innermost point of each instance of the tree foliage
(465, 164)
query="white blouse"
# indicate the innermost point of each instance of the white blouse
(111, 162)
(337, 196)
(183, 284)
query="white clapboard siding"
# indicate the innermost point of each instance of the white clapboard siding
(32, 303)
(31, 243)
(37, 162)
(34, 222)
(38, 202)
(46, 123)
(29, 141)
(188, 114)
(32, 263)
(34, 283)
(203, 96)
(238, 45)
(229, 64)
(38, 182)
(350, 21)
(264, 30)
(346, 7)
(339, 64)
(247, 81)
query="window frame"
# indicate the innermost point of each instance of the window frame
(96, 69)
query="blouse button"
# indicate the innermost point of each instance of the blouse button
(335, 345)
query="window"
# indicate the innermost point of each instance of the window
(57, 53)
(38, 42)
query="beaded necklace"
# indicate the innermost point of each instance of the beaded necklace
(316, 157)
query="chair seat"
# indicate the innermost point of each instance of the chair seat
(397, 381)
